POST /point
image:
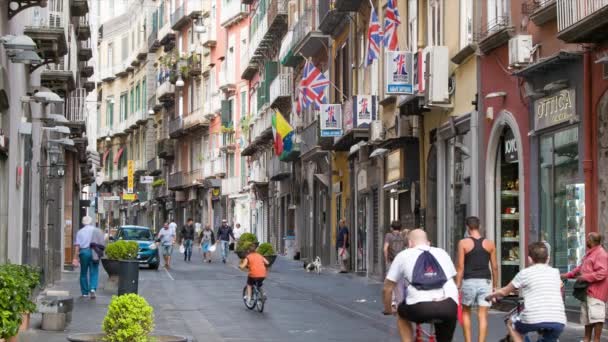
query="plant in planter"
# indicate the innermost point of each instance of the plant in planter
(17, 283)
(158, 182)
(117, 251)
(245, 241)
(268, 252)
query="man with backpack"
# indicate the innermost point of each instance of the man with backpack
(395, 241)
(431, 294)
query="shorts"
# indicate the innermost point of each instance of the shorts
(205, 246)
(593, 311)
(255, 281)
(445, 312)
(550, 331)
(475, 291)
(167, 250)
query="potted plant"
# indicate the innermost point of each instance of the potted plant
(158, 182)
(245, 241)
(17, 284)
(117, 251)
(129, 318)
(267, 252)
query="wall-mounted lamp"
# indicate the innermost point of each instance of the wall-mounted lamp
(180, 82)
(495, 95)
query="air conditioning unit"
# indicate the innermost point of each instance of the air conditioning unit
(436, 74)
(520, 50)
(376, 131)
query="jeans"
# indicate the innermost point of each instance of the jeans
(225, 245)
(551, 331)
(188, 247)
(89, 271)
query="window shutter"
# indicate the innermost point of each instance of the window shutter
(225, 112)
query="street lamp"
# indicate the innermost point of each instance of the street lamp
(180, 82)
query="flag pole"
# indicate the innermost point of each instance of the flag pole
(308, 59)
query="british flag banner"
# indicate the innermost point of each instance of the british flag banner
(313, 87)
(331, 120)
(374, 38)
(391, 22)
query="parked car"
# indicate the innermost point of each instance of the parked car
(148, 251)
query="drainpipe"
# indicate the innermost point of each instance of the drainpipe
(588, 125)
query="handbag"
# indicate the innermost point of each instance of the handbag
(343, 253)
(182, 249)
(579, 290)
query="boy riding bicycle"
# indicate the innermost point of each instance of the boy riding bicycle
(540, 287)
(257, 269)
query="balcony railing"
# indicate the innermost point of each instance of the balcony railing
(176, 127)
(219, 167)
(228, 141)
(311, 139)
(165, 148)
(278, 170)
(307, 40)
(280, 89)
(176, 180)
(227, 78)
(77, 106)
(233, 12)
(207, 169)
(231, 186)
(494, 33)
(257, 173)
(193, 177)
(580, 21)
(165, 91)
(153, 166)
(209, 37)
(262, 124)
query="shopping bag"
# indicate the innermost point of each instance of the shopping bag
(212, 248)
(182, 249)
(460, 308)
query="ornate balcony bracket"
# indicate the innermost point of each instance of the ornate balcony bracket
(16, 6)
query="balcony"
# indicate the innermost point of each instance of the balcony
(153, 42)
(165, 92)
(195, 64)
(49, 34)
(57, 78)
(177, 181)
(85, 52)
(278, 170)
(231, 186)
(207, 171)
(165, 149)
(87, 71)
(209, 37)
(83, 30)
(312, 143)
(107, 74)
(257, 174)
(494, 34)
(307, 40)
(582, 21)
(228, 142)
(195, 120)
(286, 55)
(176, 127)
(540, 11)
(154, 167)
(166, 36)
(348, 5)
(76, 107)
(227, 83)
(233, 12)
(218, 167)
(261, 130)
(332, 20)
(280, 91)
(79, 8)
(160, 191)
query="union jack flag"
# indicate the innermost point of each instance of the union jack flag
(391, 22)
(374, 37)
(312, 87)
(400, 64)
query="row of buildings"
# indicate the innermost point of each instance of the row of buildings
(47, 158)
(506, 121)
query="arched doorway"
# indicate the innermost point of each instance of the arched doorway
(505, 209)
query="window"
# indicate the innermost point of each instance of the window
(435, 22)
(137, 98)
(125, 48)
(109, 111)
(123, 106)
(110, 55)
(230, 157)
(144, 91)
(498, 14)
(131, 102)
(412, 20)
(161, 15)
(243, 47)
(192, 96)
(243, 104)
(466, 22)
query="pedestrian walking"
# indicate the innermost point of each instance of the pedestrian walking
(477, 276)
(166, 237)
(224, 233)
(173, 227)
(342, 245)
(593, 272)
(187, 239)
(207, 240)
(88, 237)
(395, 241)
(540, 287)
(238, 231)
(431, 295)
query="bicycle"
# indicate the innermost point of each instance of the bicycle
(257, 300)
(513, 315)
(421, 334)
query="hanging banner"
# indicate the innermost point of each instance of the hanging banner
(331, 120)
(130, 178)
(364, 110)
(398, 71)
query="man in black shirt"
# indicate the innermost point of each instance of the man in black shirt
(187, 235)
(224, 233)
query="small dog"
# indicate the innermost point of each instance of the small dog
(314, 266)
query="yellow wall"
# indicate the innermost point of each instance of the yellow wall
(340, 166)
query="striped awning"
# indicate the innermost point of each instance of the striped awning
(118, 155)
(105, 156)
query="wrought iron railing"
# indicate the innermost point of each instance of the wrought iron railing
(493, 26)
(570, 12)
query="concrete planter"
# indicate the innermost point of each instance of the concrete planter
(271, 259)
(99, 338)
(112, 267)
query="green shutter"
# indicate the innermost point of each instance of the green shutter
(132, 107)
(137, 97)
(225, 113)
(144, 98)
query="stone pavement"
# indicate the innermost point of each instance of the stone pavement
(203, 302)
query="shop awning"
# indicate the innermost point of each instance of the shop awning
(118, 155)
(105, 156)
(323, 178)
(544, 65)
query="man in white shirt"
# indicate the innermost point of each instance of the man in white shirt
(85, 256)
(173, 227)
(438, 304)
(238, 231)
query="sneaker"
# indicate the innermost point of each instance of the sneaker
(93, 296)
(224, 261)
(84, 296)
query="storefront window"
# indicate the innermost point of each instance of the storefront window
(362, 234)
(562, 198)
(459, 189)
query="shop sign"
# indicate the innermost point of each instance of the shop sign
(331, 120)
(347, 115)
(399, 73)
(394, 166)
(130, 178)
(555, 109)
(364, 111)
(146, 179)
(510, 147)
(111, 198)
(128, 197)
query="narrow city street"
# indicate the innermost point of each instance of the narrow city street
(203, 302)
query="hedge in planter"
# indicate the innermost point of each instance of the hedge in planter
(266, 249)
(245, 241)
(122, 250)
(129, 318)
(17, 283)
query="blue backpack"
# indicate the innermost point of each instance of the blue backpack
(428, 274)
